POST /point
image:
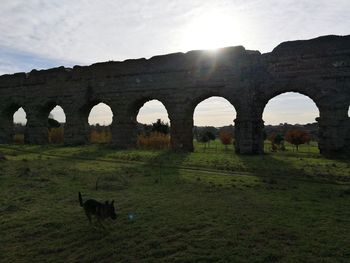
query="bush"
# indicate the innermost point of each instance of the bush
(100, 136)
(56, 135)
(155, 140)
(297, 137)
(160, 127)
(226, 137)
(18, 138)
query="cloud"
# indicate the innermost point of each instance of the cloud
(43, 34)
(87, 31)
(12, 60)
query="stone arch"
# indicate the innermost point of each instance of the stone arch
(158, 106)
(98, 131)
(7, 121)
(222, 93)
(56, 132)
(58, 110)
(136, 104)
(182, 133)
(124, 130)
(19, 126)
(102, 107)
(332, 130)
(85, 108)
(18, 115)
(214, 108)
(298, 94)
(228, 119)
(77, 130)
(150, 112)
(39, 121)
(277, 91)
(264, 100)
(310, 103)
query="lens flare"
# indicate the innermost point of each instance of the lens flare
(212, 30)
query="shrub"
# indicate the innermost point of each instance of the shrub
(56, 135)
(160, 127)
(226, 138)
(103, 136)
(155, 140)
(277, 141)
(18, 138)
(297, 137)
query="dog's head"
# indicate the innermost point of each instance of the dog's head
(110, 210)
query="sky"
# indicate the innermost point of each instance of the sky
(41, 34)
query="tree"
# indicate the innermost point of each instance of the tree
(225, 137)
(276, 141)
(160, 127)
(210, 135)
(52, 123)
(297, 137)
(205, 135)
(276, 138)
(203, 138)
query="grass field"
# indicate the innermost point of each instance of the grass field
(208, 206)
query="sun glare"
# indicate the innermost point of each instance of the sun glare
(212, 30)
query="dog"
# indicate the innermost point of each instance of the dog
(100, 210)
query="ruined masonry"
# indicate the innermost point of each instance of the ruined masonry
(318, 68)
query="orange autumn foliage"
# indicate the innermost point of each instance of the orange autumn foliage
(226, 137)
(100, 137)
(155, 140)
(297, 137)
(56, 135)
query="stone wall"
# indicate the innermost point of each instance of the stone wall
(318, 68)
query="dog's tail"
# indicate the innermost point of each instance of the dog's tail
(80, 200)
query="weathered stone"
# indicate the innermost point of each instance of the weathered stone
(318, 68)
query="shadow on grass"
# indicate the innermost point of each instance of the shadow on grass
(274, 167)
(166, 163)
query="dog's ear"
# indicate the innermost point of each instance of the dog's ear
(112, 202)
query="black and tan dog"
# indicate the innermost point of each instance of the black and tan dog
(100, 210)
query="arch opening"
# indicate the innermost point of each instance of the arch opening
(19, 125)
(55, 124)
(153, 125)
(214, 121)
(290, 121)
(100, 119)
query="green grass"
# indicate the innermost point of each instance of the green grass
(206, 206)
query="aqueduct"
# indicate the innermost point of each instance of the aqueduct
(318, 68)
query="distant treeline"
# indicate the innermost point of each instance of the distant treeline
(159, 126)
(283, 128)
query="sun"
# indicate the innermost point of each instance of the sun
(212, 30)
